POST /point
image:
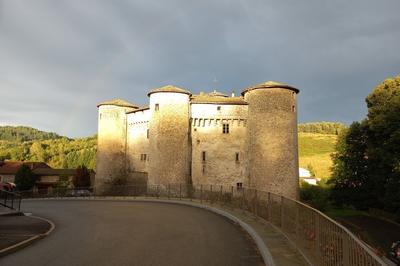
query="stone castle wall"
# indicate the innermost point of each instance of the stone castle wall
(182, 141)
(272, 136)
(111, 144)
(137, 141)
(224, 161)
(169, 138)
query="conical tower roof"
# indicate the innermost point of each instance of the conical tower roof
(169, 88)
(118, 102)
(271, 84)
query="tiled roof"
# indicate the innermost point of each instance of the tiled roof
(139, 109)
(217, 93)
(270, 84)
(118, 102)
(55, 172)
(11, 167)
(169, 88)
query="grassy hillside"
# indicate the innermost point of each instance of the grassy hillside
(28, 144)
(315, 150)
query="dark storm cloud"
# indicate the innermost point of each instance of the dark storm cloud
(59, 58)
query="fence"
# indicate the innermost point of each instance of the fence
(10, 199)
(321, 240)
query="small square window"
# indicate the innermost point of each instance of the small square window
(225, 128)
(218, 108)
(143, 157)
(239, 185)
(156, 107)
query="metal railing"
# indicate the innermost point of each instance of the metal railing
(10, 200)
(320, 239)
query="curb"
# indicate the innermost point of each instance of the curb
(12, 213)
(29, 241)
(262, 248)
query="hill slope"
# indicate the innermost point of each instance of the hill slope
(28, 144)
(21, 133)
(315, 152)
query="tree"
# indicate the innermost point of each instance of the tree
(81, 177)
(350, 178)
(366, 170)
(384, 142)
(24, 178)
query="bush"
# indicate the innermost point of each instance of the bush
(315, 196)
(81, 177)
(24, 178)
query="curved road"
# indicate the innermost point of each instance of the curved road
(134, 233)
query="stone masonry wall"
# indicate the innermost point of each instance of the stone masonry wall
(272, 136)
(219, 167)
(138, 141)
(111, 144)
(169, 138)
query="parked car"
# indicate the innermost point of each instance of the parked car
(79, 193)
(8, 186)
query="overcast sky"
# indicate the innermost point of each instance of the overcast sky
(58, 59)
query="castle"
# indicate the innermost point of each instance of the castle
(209, 138)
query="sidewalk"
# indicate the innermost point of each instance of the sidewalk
(7, 211)
(16, 228)
(282, 252)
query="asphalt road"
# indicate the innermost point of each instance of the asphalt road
(134, 233)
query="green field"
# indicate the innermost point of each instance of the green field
(315, 150)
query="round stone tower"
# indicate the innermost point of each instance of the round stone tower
(272, 138)
(111, 141)
(169, 136)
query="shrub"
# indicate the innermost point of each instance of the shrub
(81, 177)
(24, 178)
(315, 196)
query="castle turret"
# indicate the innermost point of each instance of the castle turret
(111, 141)
(272, 138)
(169, 136)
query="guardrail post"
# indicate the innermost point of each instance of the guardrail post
(242, 204)
(297, 222)
(346, 250)
(255, 203)
(232, 202)
(220, 196)
(201, 193)
(269, 208)
(282, 213)
(317, 239)
(211, 197)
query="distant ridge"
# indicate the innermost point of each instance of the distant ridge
(331, 128)
(23, 133)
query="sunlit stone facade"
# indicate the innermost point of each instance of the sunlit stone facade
(209, 138)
